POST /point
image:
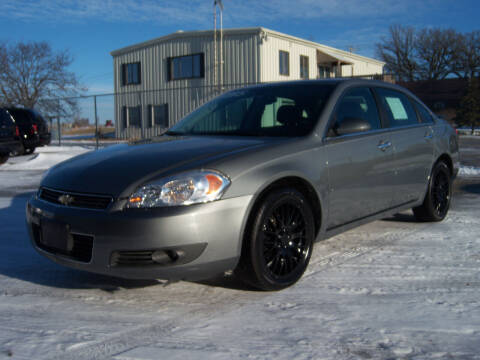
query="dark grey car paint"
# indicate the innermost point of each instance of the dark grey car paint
(355, 182)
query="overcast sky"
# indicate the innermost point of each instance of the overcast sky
(90, 29)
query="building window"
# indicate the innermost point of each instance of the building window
(323, 72)
(186, 67)
(131, 74)
(158, 115)
(284, 58)
(304, 67)
(124, 117)
(131, 116)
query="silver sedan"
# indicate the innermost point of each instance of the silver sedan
(248, 182)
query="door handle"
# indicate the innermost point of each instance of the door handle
(384, 145)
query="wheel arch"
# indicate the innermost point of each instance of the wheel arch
(447, 160)
(298, 183)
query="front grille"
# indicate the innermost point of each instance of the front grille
(82, 246)
(75, 200)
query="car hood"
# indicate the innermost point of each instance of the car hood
(121, 168)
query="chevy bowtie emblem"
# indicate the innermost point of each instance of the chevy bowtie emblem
(65, 199)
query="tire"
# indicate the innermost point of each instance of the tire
(3, 158)
(20, 151)
(439, 193)
(278, 242)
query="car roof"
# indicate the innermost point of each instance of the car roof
(335, 81)
(339, 83)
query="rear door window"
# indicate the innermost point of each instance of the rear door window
(399, 109)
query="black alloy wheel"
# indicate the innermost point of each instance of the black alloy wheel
(441, 193)
(280, 241)
(437, 201)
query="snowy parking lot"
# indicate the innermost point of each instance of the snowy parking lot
(392, 289)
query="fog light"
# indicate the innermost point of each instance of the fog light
(161, 257)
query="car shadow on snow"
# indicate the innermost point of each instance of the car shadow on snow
(19, 260)
(402, 217)
(472, 188)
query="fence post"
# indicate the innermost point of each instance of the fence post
(96, 121)
(59, 130)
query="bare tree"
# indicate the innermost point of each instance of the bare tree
(33, 76)
(430, 54)
(466, 62)
(435, 50)
(398, 52)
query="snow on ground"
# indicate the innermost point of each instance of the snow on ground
(44, 158)
(467, 171)
(392, 289)
(23, 173)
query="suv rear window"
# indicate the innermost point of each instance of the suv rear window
(22, 117)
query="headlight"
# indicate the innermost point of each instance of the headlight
(184, 189)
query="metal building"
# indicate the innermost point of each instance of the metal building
(157, 82)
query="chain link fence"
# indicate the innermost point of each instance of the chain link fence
(118, 117)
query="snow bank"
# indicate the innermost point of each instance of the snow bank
(62, 149)
(45, 158)
(466, 171)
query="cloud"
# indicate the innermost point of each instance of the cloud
(108, 10)
(199, 12)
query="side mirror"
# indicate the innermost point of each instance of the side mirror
(351, 126)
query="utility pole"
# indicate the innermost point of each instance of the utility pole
(96, 121)
(221, 45)
(215, 43)
(216, 62)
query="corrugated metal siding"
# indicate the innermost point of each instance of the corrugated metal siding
(270, 67)
(248, 58)
(240, 67)
(365, 68)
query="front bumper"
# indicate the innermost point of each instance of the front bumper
(45, 139)
(206, 237)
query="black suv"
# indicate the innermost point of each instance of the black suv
(32, 129)
(9, 136)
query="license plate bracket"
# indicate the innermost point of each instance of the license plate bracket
(56, 235)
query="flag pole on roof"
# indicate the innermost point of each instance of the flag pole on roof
(219, 3)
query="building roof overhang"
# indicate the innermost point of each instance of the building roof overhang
(328, 57)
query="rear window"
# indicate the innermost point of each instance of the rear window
(22, 117)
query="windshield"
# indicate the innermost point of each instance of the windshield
(283, 110)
